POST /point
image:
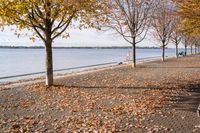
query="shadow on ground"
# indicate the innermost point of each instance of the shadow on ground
(188, 101)
(113, 87)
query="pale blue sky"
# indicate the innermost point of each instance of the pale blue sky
(89, 37)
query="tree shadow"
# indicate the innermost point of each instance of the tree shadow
(183, 102)
(189, 102)
(112, 87)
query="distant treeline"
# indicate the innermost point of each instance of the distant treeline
(41, 47)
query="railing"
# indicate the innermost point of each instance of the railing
(58, 70)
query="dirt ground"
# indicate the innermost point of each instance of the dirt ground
(154, 97)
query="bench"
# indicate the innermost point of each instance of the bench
(181, 53)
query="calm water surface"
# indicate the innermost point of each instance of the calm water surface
(21, 61)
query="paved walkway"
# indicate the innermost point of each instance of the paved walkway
(180, 116)
(180, 112)
(154, 97)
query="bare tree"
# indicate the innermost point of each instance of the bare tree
(163, 23)
(197, 45)
(131, 20)
(195, 48)
(176, 37)
(195, 42)
(192, 42)
(186, 42)
(191, 49)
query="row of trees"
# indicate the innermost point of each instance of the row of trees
(190, 22)
(132, 19)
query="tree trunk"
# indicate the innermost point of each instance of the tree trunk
(163, 53)
(191, 50)
(134, 57)
(195, 49)
(198, 49)
(49, 63)
(134, 53)
(185, 50)
(176, 50)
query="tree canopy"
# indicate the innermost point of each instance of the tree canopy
(189, 11)
(59, 14)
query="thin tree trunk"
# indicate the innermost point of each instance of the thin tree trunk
(195, 49)
(191, 49)
(185, 50)
(134, 56)
(49, 63)
(198, 49)
(163, 53)
(176, 50)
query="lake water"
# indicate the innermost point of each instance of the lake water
(22, 61)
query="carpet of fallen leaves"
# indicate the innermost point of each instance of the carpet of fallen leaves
(78, 108)
(63, 109)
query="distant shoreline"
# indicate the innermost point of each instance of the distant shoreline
(40, 47)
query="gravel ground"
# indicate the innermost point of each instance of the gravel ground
(154, 97)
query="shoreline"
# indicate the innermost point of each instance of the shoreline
(40, 79)
(111, 47)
